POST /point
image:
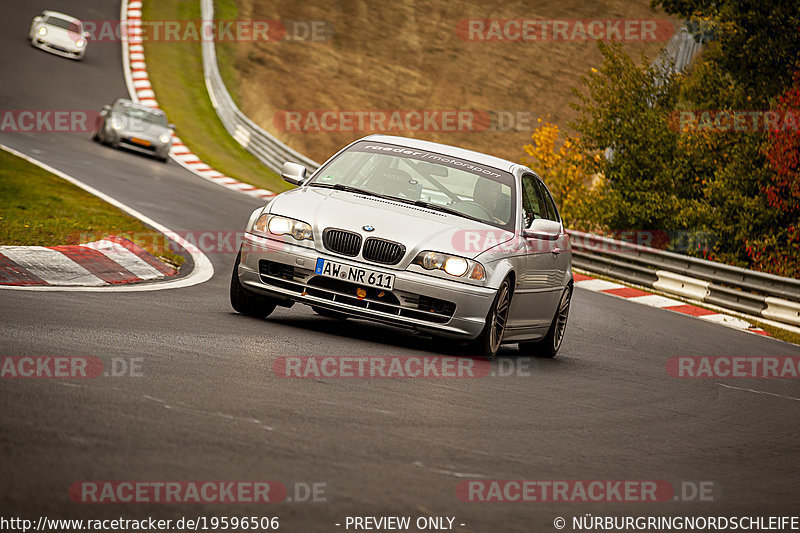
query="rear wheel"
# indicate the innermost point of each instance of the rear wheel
(246, 302)
(488, 343)
(549, 345)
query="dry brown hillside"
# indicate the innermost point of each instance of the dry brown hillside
(406, 55)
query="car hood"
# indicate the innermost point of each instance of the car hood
(138, 127)
(60, 37)
(417, 228)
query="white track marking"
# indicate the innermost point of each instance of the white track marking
(598, 285)
(654, 300)
(765, 393)
(727, 321)
(126, 259)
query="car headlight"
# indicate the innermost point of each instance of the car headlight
(165, 138)
(80, 43)
(42, 31)
(278, 225)
(452, 264)
(116, 124)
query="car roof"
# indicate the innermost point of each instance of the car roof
(446, 149)
(64, 16)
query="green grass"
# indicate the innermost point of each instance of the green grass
(226, 50)
(176, 74)
(38, 208)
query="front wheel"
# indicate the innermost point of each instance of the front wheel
(488, 343)
(549, 345)
(246, 302)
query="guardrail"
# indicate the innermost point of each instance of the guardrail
(269, 150)
(746, 291)
(679, 51)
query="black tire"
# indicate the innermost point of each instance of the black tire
(246, 302)
(490, 339)
(328, 313)
(548, 346)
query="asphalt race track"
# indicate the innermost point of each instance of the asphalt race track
(209, 407)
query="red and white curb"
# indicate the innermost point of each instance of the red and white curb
(654, 300)
(111, 261)
(201, 272)
(141, 91)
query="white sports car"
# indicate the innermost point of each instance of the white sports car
(59, 34)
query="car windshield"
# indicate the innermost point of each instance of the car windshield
(435, 180)
(64, 24)
(141, 114)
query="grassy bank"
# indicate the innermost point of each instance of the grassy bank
(176, 73)
(38, 208)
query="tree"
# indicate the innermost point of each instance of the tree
(562, 167)
(779, 250)
(757, 41)
(624, 111)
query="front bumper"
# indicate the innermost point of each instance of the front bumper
(69, 52)
(125, 139)
(285, 272)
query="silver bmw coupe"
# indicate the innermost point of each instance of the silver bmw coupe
(444, 240)
(126, 124)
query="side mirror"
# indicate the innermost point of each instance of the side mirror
(38, 19)
(541, 228)
(293, 173)
(86, 35)
(171, 126)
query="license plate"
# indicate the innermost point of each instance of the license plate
(352, 274)
(142, 142)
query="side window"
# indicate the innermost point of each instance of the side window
(531, 204)
(547, 202)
